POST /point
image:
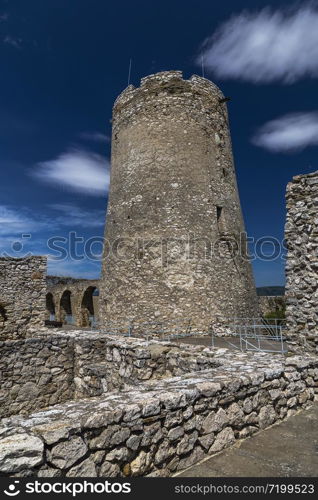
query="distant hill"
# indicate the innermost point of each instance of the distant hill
(270, 290)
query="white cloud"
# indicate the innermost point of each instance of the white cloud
(95, 137)
(13, 222)
(265, 46)
(290, 132)
(73, 215)
(76, 170)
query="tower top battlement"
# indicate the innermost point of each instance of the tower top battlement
(169, 83)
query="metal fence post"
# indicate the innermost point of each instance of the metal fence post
(281, 338)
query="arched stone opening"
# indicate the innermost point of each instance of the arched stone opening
(66, 308)
(50, 307)
(88, 307)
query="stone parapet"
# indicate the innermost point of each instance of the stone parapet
(161, 426)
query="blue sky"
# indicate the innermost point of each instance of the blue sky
(64, 63)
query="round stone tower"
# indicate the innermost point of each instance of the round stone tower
(175, 240)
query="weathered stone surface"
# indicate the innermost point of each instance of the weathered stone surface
(208, 389)
(174, 418)
(165, 451)
(175, 433)
(49, 472)
(133, 442)
(235, 415)
(223, 439)
(247, 431)
(187, 443)
(207, 440)
(267, 416)
(140, 464)
(84, 469)
(66, 453)
(19, 452)
(55, 431)
(152, 434)
(111, 436)
(215, 421)
(195, 456)
(109, 469)
(117, 454)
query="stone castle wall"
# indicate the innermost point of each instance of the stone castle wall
(60, 366)
(35, 373)
(301, 233)
(160, 425)
(22, 295)
(174, 223)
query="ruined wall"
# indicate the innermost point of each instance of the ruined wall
(58, 367)
(161, 426)
(22, 295)
(35, 373)
(301, 233)
(174, 221)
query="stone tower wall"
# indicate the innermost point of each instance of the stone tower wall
(174, 221)
(22, 295)
(301, 233)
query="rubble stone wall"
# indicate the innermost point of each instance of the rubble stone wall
(301, 233)
(161, 426)
(35, 373)
(22, 295)
(54, 368)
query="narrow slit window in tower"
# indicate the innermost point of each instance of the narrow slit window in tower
(220, 218)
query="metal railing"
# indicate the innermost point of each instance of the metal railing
(162, 330)
(245, 334)
(255, 334)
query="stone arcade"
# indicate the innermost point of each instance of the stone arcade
(72, 301)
